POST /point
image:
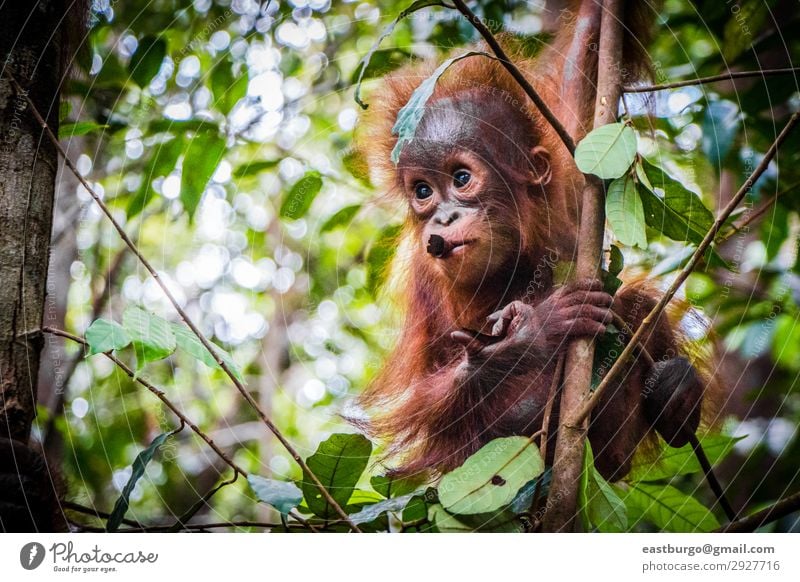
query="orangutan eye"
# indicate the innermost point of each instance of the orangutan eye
(422, 190)
(461, 178)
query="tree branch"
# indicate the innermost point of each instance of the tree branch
(712, 79)
(159, 394)
(183, 315)
(517, 74)
(572, 430)
(761, 518)
(656, 312)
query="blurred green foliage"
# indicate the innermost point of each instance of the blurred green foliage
(219, 133)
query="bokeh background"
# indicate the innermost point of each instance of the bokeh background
(194, 121)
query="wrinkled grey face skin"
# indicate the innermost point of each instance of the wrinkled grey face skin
(463, 175)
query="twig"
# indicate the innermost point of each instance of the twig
(656, 312)
(570, 442)
(712, 79)
(517, 74)
(159, 394)
(200, 503)
(183, 315)
(710, 476)
(754, 215)
(761, 518)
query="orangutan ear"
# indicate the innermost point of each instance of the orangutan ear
(541, 171)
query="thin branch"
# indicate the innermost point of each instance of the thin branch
(183, 315)
(77, 507)
(713, 79)
(655, 313)
(754, 215)
(159, 394)
(517, 74)
(761, 518)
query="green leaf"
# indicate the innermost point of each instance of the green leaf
(187, 341)
(104, 335)
(672, 462)
(599, 504)
(607, 152)
(338, 464)
(282, 495)
(445, 522)
(68, 130)
(669, 509)
(616, 261)
(147, 59)
(161, 163)
(742, 27)
(255, 168)
(364, 63)
(502, 522)
(680, 214)
(202, 157)
(226, 88)
(491, 478)
(151, 336)
(393, 486)
(301, 196)
(137, 470)
(411, 114)
(379, 257)
(356, 165)
(625, 213)
(374, 511)
(343, 217)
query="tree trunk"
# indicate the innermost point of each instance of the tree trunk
(30, 44)
(568, 463)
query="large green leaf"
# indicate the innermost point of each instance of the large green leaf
(625, 213)
(161, 163)
(202, 157)
(672, 462)
(364, 64)
(104, 335)
(227, 88)
(607, 152)
(669, 509)
(491, 478)
(151, 335)
(338, 464)
(599, 504)
(137, 470)
(301, 196)
(187, 341)
(282, 495)
(679, 213)
(147, 59)
(411, 114)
